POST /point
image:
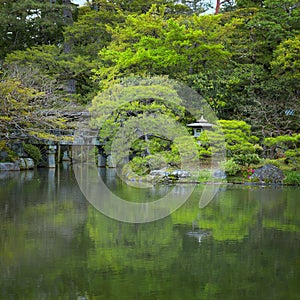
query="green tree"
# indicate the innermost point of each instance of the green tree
(251, 86)
(237, 135)
(196, 6)
(284, 146)
(286, 62)
(151, 44)
(139, 120)
(30, 23)
(173, 7)
(49, 61)
(27, 113)
(89, 31)
(88, 35)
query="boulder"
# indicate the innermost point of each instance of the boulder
(7, 166)
(219, 174)
(268, 174)
(26, 163)
(160, 173)
(181, 174)
(163, 176)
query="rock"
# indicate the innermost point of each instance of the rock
(3, 155)
(162, 176)
(268, 174)
(26, 163)
(101, 160)
(7, 166)
(175, 173)
(181, 174)
(160, 173)
(219, 174)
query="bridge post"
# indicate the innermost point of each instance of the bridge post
(51, 156)
(66, 155)
(101, 160)
(110, 162)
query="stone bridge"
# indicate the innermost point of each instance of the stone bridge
(61, 149)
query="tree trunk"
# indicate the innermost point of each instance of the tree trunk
(147, 143)
(68, 43)
(218, 5)
(67, 12)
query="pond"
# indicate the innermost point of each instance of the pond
(245, 244)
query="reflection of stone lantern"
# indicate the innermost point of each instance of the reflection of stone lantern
(199, 126)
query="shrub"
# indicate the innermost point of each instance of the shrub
(246, 159)
(204, 175)
(284, 146)
(156, 161)
(139, 165)
(238, 137)
(33, 152)
(292, 178)
(231, 167)
(276, 162)
(11, 156)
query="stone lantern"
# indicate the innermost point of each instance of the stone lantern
(199, 126)
(51, 156)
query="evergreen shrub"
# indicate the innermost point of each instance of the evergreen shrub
(231, 167)
(33, 152)
(292, 178)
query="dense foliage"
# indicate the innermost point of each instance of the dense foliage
(244, 61)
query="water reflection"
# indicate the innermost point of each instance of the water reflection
(53, 245)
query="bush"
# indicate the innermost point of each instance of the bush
(139, 165)
(292, 178)
(156, 161)
(238, 137)
(33, 152)
(231, 167)
(276, 162)
(284, 146)
(204, 175)
(11, 156)
(246, 159)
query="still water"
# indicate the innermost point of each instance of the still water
(54, 245)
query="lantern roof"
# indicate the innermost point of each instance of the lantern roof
(201, 123)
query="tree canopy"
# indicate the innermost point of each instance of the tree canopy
(244, 61)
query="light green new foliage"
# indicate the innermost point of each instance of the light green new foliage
(151, 43)
(287, 59)
(22, 112)
(139, 117)
(237, 135)
(231, 167)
